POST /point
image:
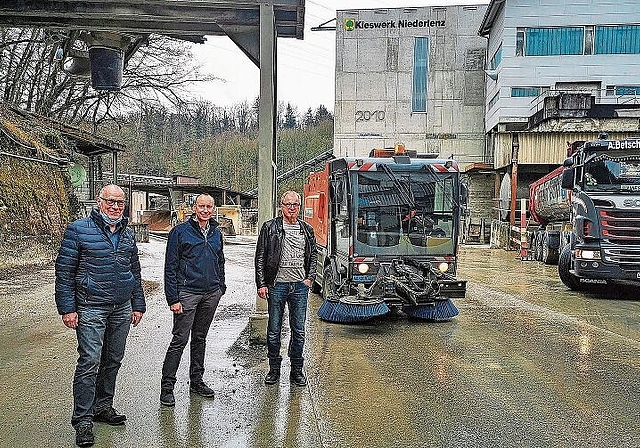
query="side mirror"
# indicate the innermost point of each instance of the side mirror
(568, 178)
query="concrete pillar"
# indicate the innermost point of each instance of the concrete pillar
(266, 150)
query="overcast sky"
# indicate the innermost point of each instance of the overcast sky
(306, 68)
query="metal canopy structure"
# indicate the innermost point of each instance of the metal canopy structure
(190, 20)
(253, 25)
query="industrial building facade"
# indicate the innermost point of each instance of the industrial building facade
(557, 72)
(414, 75)
(548, 72)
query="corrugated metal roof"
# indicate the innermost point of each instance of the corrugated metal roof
(544, 147)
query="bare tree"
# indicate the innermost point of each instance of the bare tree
(159, 73)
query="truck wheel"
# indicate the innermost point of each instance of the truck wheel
(564, 265)
(328, 286)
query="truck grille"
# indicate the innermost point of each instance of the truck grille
(620, 226)
(627, 259)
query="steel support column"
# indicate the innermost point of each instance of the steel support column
(266, 149)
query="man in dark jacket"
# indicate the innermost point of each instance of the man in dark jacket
(285, 269)
(99, 294)
(193, 285)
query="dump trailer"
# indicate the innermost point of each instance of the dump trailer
(550, 209)
(387, 230)
(589, 214)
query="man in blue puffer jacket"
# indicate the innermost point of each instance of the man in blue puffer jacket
(193, 285)
(99, 294)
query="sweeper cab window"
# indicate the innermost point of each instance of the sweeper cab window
(409, 213)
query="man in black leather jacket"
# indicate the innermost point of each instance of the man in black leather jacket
(285, 265)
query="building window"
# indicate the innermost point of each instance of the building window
(620, 39)
(554, 41)
(496, 59)
(420, 70)
(519, 92)
(493, 101)
(627, 90)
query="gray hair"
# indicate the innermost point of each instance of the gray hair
(110, 187)
(286, 193)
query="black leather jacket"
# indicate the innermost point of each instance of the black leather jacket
(269, 251)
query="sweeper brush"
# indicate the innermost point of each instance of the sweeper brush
(440, 310)
(345, 310)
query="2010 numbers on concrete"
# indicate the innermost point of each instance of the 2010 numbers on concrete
(368, 115)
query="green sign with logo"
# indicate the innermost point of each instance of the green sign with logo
(349, 24)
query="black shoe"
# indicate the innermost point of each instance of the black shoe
(297, 377)
(167, 398)
(203, 390)
(84, 434)
(272, 377)
(110, 417)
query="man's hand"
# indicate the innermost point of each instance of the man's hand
(176, 308)
(307, 281)
(263, 292)
(70, 320)
(136, 317)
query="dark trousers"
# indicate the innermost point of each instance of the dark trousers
(102, 335)
(196, 317)
(295, 296)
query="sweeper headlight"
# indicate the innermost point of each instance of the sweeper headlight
(363, 268)
(443, 267)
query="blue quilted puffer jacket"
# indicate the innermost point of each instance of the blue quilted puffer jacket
(91, 271)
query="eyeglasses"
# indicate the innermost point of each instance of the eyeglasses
(290, 204)
(111, 202)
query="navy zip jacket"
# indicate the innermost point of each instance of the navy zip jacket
(91, 271)
(192, 262)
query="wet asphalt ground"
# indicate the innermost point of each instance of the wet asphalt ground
(527, 363)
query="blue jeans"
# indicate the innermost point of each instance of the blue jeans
(295, 295)
(196, 317)
(102, 335)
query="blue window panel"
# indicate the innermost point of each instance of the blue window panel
(554, 41)
(628, 90)
(420, 70)
(496, 59)
(622, 39)
(525, 91)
